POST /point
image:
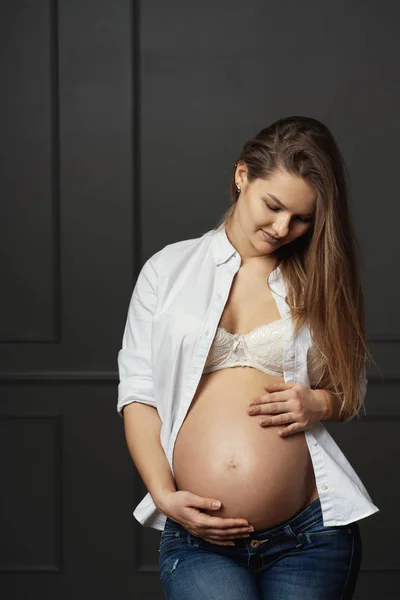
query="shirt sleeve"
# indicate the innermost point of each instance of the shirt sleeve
(134, 358)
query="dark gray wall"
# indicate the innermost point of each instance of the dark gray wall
(119, 123)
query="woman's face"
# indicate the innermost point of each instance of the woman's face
(281, 206)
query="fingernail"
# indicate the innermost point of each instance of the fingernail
(251, 409)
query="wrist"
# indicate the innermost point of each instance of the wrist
(324, 403)
(162, 497)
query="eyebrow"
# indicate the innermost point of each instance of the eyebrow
(309, 214)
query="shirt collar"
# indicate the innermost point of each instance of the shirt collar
(223, 250)
(222, 247)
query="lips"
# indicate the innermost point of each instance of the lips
(269, 238)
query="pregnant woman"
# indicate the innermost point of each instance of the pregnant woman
(237, 345)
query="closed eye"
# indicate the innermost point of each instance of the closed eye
(276, 209)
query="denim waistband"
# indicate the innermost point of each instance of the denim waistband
(303, 518)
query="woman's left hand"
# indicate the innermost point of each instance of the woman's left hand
(292, 403)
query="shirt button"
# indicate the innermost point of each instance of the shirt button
(219, 296)
(324, 486)
(207, 331)
(314, 442)
(194, 371)
(291, 354)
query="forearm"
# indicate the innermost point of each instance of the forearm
(334, 404)
(142, 431)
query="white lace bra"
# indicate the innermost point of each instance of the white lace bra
(261, 348)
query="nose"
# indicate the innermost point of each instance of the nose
(281, 227)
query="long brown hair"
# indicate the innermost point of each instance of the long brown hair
(321, 268)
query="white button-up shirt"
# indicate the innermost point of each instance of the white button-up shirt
(175, 308)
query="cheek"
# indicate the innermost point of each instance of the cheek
(298, 230)
(303, 228)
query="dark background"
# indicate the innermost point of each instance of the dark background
(119, 124)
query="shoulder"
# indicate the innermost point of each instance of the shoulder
(178, 252)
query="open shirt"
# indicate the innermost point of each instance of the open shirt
(173, 315)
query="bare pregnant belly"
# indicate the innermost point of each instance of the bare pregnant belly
(222, 452)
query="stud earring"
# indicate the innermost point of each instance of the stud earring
(238, 188)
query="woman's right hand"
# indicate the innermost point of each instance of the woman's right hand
(185, 508)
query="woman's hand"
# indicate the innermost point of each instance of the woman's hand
(293, 404)
(184, 508)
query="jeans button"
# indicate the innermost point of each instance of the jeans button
(255, 543)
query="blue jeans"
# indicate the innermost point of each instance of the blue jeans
(299, 559)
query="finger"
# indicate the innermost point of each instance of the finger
(290, 430)
(277, 419)
(272, 408)
(212, 541)
(220, 522)
(225, 538)
(233, 532)
(281, 396)
(279, 386)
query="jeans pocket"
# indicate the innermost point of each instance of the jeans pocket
(168, 536)
(317, 531)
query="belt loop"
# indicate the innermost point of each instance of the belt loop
(289, 531)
